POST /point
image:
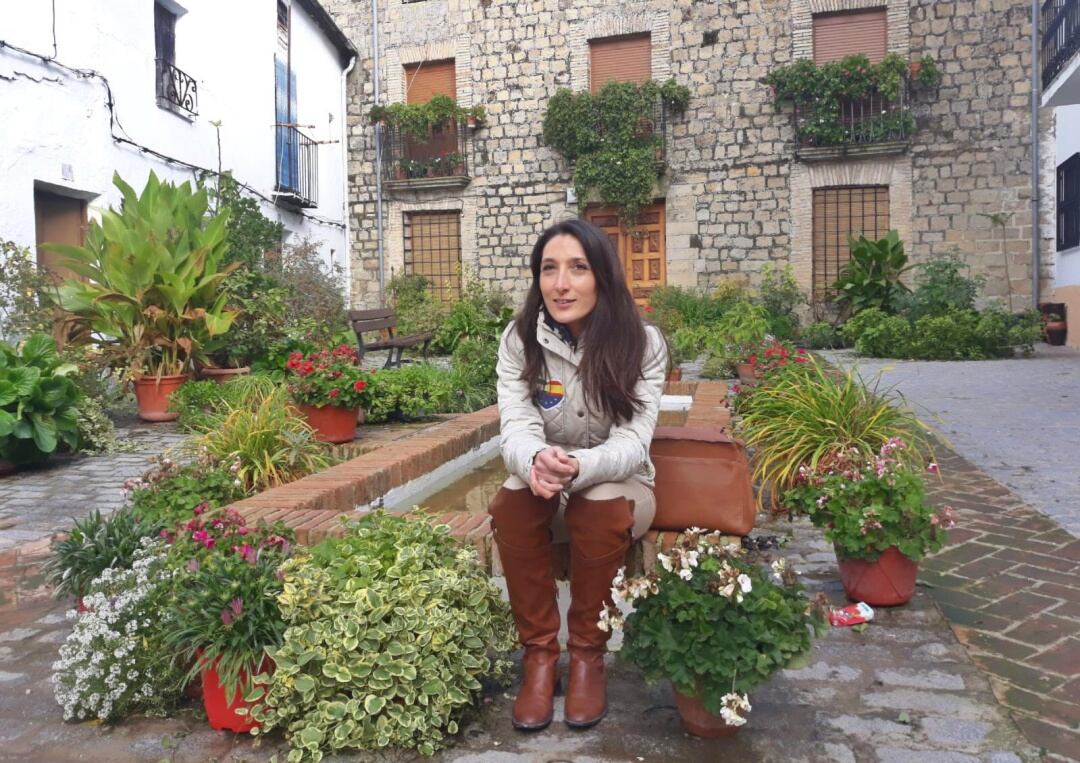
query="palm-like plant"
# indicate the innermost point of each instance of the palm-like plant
(807, 415)
(151, 277)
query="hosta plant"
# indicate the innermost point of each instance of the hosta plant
(114, 663)
(713, 622)
(390, 629)
(867, 505)
(38, 401)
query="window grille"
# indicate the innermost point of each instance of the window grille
(433, 250)
(1068, 203)
(839, 214)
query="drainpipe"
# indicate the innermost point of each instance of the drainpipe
(345, 175)
(378, 153)
(1035, 81)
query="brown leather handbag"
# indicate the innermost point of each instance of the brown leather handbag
(702, 480)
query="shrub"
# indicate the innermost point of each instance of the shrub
(674, 307)
(809, 415)
(316, 302)
(38, 401)
(113, 663)
(265, 315)
(24, 306)
(941, 287)
(410, 392)
(821, 335)
(203, 405)
(94, 544)
(414, 307)
(266, 444)
(854, 327)
(871, 278)
(473, 317)
(779, 294)
(390, 629)
(890, 337)
(252, 235)
(473, 377)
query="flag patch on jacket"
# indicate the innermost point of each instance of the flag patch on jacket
(551, 396)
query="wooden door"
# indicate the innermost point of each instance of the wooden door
(641, 253)
(59, 220)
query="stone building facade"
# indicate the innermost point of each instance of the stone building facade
(738, 194)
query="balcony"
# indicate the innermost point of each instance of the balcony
(297, 161)
(868, 126)
(176, 91)
(1060, 25)
(439, 161)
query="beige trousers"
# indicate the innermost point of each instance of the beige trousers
(631, 489)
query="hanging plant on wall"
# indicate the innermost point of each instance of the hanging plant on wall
(612, 140)
(419, 119)
(818, 90)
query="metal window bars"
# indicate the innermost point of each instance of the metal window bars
(1060, 24)
(872, 118)
(297, 167)
(177, 89)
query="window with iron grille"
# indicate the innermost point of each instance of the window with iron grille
(840, 213)
(433, 250)
(1068, 203)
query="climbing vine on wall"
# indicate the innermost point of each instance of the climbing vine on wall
(613, 141)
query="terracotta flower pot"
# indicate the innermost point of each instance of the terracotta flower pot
(746, 373)
(222, 375)
(221, 710)
(152, 394)
(331, 424)
(697, 720)
(1055, 333)
(885, 582)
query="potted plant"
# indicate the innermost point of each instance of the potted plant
(1056, 329)
(223, 613)
(716, 624)
(738, 334)
(150, 282)
(474, 117)
(330, 389)
(876, 515)
(773, 355)
(684, 346)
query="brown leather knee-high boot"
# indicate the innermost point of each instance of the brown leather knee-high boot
(522, 524)
(599, 539)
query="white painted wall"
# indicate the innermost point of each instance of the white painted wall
(1067, 143)
(56, 127)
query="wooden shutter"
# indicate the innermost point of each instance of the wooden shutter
(164, 34)
(433, 250)
(843, 34)
(429, 78)
(1068, 203)
(840, 213)
(619, 59)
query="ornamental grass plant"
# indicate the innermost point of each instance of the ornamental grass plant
(93, 545)
(806, 415)
(867, 505)
(390, 629)
(713, 621)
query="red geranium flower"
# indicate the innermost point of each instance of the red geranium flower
(359, 385)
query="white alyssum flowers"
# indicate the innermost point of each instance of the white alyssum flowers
(735, 708)
(107, 656)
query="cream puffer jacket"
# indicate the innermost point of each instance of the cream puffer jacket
(532, 420)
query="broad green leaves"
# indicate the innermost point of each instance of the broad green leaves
(37, 401)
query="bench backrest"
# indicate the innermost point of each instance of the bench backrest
(373, 320)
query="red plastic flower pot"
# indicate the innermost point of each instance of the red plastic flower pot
(221, 710)
(331, 424)
(152, 394)
(885, 582)
(698, 720)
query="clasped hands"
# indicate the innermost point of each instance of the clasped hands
(552, 470)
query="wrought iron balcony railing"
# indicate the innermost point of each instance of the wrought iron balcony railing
(297, 168)
(443, 154)
(176, 90)
(1060, 24)
(872, 119)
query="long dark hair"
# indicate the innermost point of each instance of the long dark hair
(614, 333)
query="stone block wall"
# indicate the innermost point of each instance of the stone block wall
(735, 198)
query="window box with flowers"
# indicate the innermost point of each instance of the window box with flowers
(874, 510)
(714, 622)
(330, 390)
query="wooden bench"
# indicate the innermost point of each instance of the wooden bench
(383, 319)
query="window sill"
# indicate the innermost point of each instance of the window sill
(420, 184)
(853, 151)
(166, 105)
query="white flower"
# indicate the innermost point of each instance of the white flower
(665, 561)
(734, 708)
(744, 583)
(686, 574)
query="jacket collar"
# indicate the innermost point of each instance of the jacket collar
(556, 338)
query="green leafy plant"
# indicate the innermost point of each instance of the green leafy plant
(808, 415)
(419, 119)
(25, 290)
(867, 505)
(871, 278)
(821, 335)
(113, 663)
(941, 286)
(714, 623)
(93, 544)
(329, 377)
(390, 629)
(203, 405)
(739, 332)
(472, 378)
(780, 295)
(152, 275)
(265, 445)
(222, 594)
(410, 392)
(611, 140)
(38, 401)
(170, 491)
(253, 237)
(415, 308)
(952, 335)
